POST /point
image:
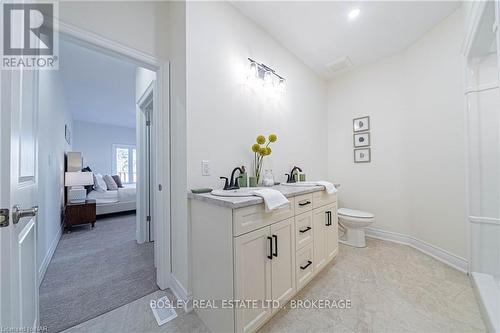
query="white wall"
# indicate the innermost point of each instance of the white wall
(225, 113)
(137, 24)
(53, 116)
(415, 183)
(95, 142)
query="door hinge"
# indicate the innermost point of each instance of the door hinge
(4, 218)
(148, 123)
(148, 218)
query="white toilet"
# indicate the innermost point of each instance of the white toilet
(355, 222)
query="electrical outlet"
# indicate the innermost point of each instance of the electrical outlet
(205, 168)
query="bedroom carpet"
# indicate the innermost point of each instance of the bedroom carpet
(94, 271)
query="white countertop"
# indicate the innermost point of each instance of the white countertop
(239, 202)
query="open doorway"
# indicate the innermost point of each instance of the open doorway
(105, 257)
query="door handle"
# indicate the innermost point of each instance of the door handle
(328, 218)
(270, 256)
(305, 230)
(309, 262)
(18, 214)
(275, 253)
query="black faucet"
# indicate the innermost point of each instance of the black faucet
(233, 183)
(289, 177)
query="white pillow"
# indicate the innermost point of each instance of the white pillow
(100, 184)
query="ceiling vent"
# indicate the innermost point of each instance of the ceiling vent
(339, 65)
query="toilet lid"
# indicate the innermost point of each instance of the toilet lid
(354, 213)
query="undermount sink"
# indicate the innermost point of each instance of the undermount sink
(242, 192)
(300, 184)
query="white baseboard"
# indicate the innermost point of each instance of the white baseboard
(48, 256)
(437, 253)
(181, 293)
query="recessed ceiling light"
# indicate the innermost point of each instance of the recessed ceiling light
(354, 13)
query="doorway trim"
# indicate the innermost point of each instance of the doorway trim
(144, 230)
(160, 138)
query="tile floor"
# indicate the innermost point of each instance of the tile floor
(392, 287)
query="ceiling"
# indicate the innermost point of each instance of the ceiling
(98, 88)
(320, 33)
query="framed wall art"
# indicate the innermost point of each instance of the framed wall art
(361, 124)
(361, 139)
(362, 155)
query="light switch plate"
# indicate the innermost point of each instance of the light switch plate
(205, 168)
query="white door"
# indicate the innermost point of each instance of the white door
(252, 277)
(320, 219)
(283, 262)
(18, 187)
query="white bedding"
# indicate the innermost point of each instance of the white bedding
(125, 194)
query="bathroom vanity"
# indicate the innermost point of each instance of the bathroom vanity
(241, 252)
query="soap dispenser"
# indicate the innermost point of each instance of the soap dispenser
(243, 179)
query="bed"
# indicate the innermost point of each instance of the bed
(121, 200)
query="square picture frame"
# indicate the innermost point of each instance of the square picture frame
(362, 155)
(361, 124)
(361, 139)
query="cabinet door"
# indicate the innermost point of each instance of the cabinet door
(320, 219)
(283, 263)
(331, 233)
(252, 277)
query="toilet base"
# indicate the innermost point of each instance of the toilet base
(354, 237)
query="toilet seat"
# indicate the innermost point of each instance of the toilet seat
(355, 213)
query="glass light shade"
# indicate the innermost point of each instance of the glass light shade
(282, 86)
(268, 79)
(78, 178)
(252, 70)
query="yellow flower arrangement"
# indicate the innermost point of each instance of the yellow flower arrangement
(260, 150)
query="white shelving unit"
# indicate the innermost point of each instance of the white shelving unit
(482, 77)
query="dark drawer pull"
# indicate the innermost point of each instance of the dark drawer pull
(304, 203)
(328, 218)
(270, 256)
(305, 230)
(309, 262)
(275, 253)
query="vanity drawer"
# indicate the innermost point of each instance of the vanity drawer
(305, 266)
(303, 203)
(322, 198)
(303, 229)
(254, 217)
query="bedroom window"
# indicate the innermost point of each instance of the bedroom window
(124, 162)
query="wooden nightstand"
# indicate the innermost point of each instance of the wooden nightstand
(79, 213)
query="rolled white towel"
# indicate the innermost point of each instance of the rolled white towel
(329, 187)
(272, 199)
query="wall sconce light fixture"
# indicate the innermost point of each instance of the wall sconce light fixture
(269, 77)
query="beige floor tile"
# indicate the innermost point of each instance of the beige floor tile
(393, 288)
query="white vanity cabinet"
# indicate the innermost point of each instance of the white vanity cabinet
(243, 253)
(264, 265)
(325, 233)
